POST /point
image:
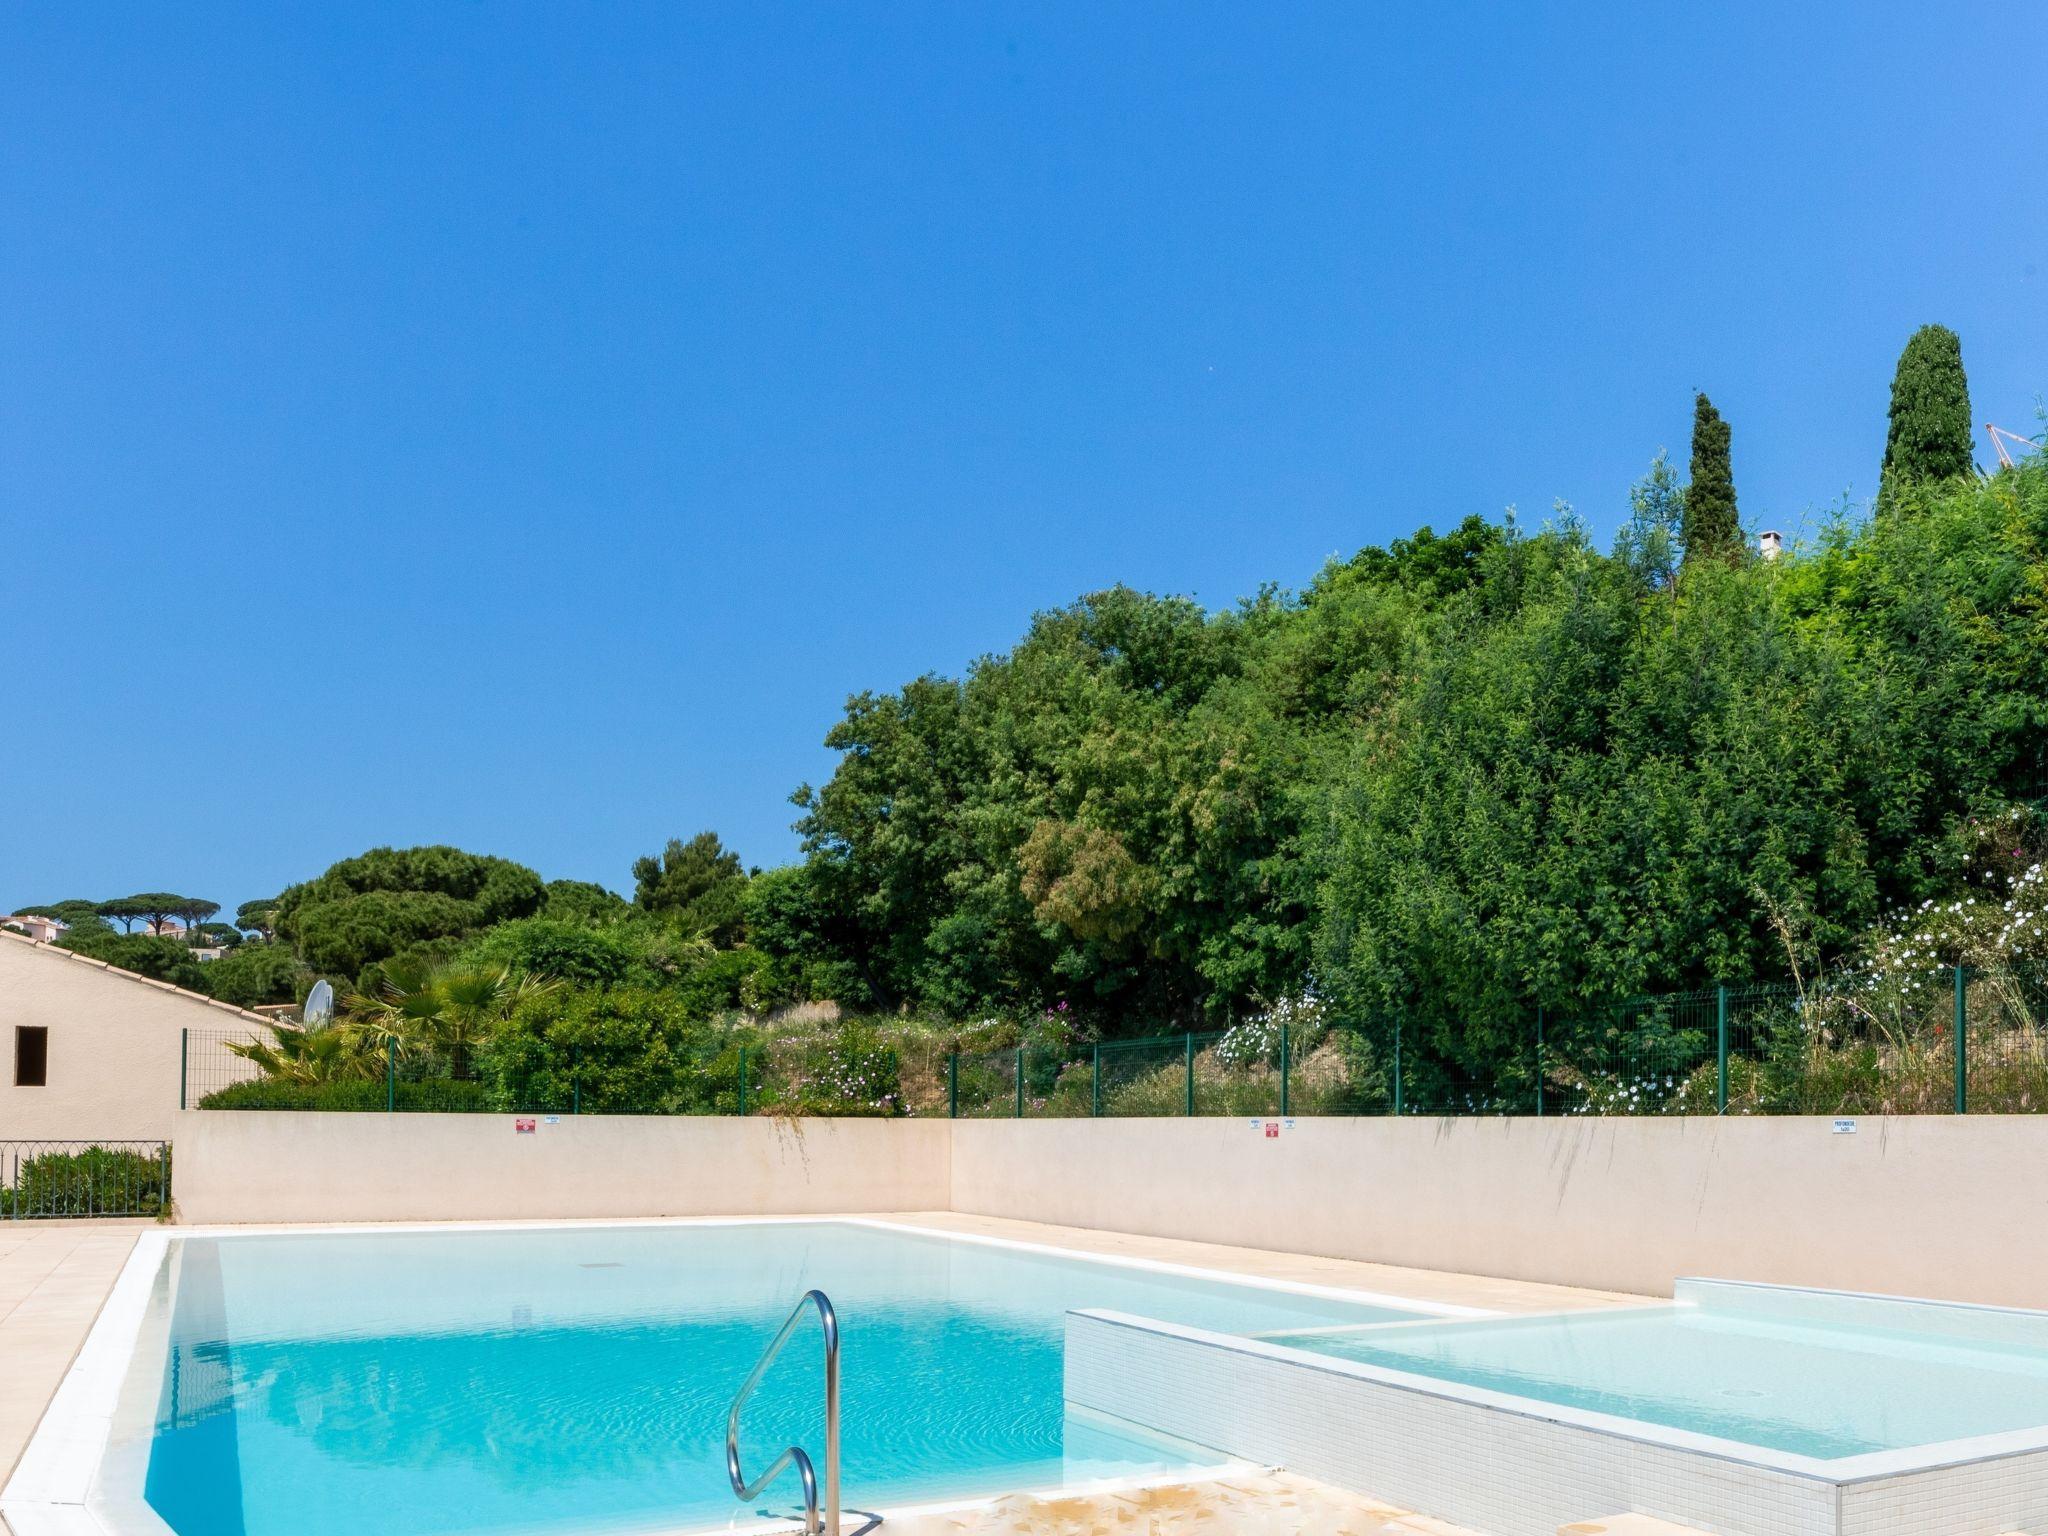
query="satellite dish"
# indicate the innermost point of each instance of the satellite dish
(319, 1005)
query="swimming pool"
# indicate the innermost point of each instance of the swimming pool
(546, 1379)
(1765, 1410)
(1738, 1363)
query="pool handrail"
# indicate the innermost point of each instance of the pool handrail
(817, 1521)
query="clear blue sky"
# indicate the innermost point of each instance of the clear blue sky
(521, 426)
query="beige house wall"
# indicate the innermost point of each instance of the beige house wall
(240, 1166)
(113, 1047)
(1943, 1206)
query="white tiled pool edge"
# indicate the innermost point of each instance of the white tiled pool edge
(48, 1493)
(1518, 1468)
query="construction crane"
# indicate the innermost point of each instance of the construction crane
(2000, 437)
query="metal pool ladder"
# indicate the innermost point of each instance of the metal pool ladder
(818, 1521)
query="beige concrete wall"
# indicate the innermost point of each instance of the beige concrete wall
(114, 1044)
(1927, 1206)
(251, 1165)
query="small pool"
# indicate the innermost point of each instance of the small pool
(1733, 1408)
(1813, 1374)
(552, 1379)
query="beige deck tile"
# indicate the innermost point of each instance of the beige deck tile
(54, 1277)
(1252, 1505)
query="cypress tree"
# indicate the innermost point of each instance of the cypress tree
(1929, 438)
(1711, 528)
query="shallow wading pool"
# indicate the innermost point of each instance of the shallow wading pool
(1748, 1409)
(577, 1378)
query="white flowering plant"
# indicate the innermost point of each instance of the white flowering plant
(1257, 1038)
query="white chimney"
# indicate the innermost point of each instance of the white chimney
(1769, 545)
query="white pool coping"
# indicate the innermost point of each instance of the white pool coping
(52, 1492)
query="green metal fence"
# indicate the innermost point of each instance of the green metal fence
(47, 1180)
(1927, 1042)
(1951, 1040)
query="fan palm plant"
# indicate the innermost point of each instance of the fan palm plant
(442, 1012)
(295, 1054)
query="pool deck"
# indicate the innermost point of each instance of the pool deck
(1484, 1291)
(1258, 1504)
(55, 1276)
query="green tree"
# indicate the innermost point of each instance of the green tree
(195, 912)
(1712, 529)
(156, 908)
(789, 920)
(1178, 740)
(584, 901)
(698, 883)
(258, 917)
(80, 916)
(1650, 542)
(255, 974)
(388, 901)
(125, 910)
(143, 953)
(1928, 440)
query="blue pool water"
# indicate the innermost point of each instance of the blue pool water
(544, 1380)
(1811, 1373)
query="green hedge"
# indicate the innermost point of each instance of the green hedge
(93, 1181)
(363, 1095)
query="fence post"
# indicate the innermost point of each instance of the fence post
(163, 1178)
(743, 1080)
(1539, 1061)
(184, 1063)
(1962, 1048)
(1720, 1050)
(1397, 1066)
(1020, 1082)
(1095, 1084)
(390, 1074)
(952, 1085)
(1191, 1071)
(1284, 1064)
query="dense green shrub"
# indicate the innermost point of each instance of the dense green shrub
(623, 1050)
(610, 956)
(89, 1181)
(729, 980)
